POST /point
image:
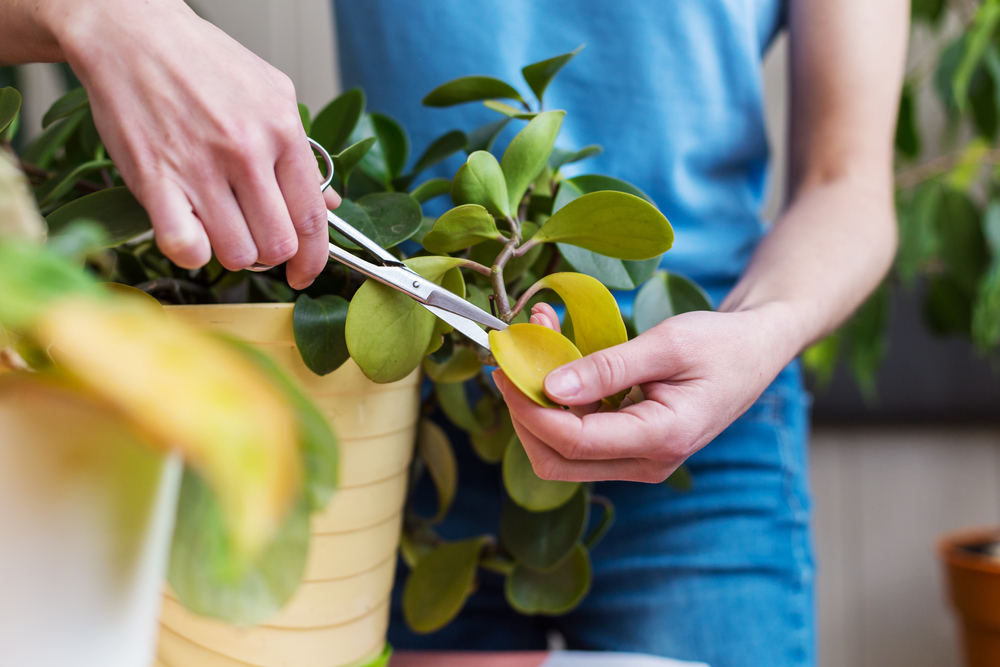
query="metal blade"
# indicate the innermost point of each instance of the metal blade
(445, 300)
(363, 241)
(466, 327)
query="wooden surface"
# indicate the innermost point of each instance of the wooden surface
(433, 659)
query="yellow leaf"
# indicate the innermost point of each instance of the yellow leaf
(189, 391)
(529, 352)
(597, 322)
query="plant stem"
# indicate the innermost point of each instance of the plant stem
(476, 266)
(497, 279)
(907, 178)
(523, 301)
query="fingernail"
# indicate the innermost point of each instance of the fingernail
(563, 383)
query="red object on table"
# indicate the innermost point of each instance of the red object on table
(472, 659)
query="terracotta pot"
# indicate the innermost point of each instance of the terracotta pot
(974, 589)
(339, 616)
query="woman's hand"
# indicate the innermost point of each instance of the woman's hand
(205, 134)
(697, 372)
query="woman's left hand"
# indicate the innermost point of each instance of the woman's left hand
(697, 371)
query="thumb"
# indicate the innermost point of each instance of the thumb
(607, 372)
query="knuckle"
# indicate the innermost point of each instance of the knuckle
(280, 251)
(187, 251)
(237, 259)
(609, 367)
(547, 469)
(313, 221)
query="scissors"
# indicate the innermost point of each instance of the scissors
(388, 270)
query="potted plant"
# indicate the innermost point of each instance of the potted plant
(972, 568)
(518, 226)
(100, 397)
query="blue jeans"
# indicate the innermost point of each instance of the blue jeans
(722, 573)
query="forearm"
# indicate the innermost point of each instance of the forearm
(827, 252)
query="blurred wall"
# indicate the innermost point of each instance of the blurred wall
(882, 493)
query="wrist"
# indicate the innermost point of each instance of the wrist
(785, 327)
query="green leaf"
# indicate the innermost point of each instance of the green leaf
(454, 282)
(986, 310)
(543, 540)
(961, 242)
(455, 405)
(388, 218)
(560, 158)
(918, 242)
(204, 572)
(482, 138)
(318, 444)
(495, 430)
(335, 123)
(42, 150)
(929, 11)
(10, 106)
(665, 295)
(680, 479)
(67, 105)
(868, 333)
(991, 227)
(319, 326)
(345, 161)
(305, 117)
(387, 332)
(550, 592)
(907, 134)
(481, 181)
(821, 358)
(393, 141)
(528, 154)
(616, 274)
(440, 150)
(977, 40)
(61, 187)
(614, 224)
(470, 89)
(944, 73)
(118, 212)
(428, 190)
(32, 276)
(434, 449)
(508, 110)
(462, 365)
(539, 75)
(461, 227)
(526, 488)
(947, 307)
(438, 586)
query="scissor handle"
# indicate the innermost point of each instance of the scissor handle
(323, 153)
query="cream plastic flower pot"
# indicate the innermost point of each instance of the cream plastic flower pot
(340, 614)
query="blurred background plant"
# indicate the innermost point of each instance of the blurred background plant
(948, 205)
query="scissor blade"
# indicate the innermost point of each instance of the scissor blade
(453, 303)
(466, 327)
(363, 241)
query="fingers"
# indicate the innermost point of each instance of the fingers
(612, 370)
(645, 430)
(227, 229)
(297, 178)
(549, 464)
(179, 234)
(545, 315)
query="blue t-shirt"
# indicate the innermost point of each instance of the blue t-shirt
(671, 89)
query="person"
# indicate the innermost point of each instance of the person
(207, 138)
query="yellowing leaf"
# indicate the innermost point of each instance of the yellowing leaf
(597, 322)
(192, 392)
(529, 352)
(614, 224)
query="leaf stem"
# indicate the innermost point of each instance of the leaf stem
(528, 293)
(497, 279)
(476, 266)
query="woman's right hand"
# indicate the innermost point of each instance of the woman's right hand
(205, 134)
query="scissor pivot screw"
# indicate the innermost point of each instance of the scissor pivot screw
(416, 283)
